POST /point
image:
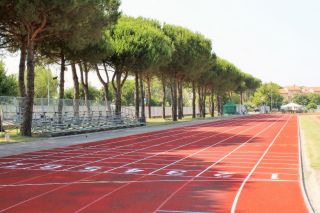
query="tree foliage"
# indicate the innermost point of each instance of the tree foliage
(43, 79)
(268, 94)
(8, 83)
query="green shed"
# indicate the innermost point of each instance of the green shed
(230, 108)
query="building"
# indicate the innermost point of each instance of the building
(288, 92)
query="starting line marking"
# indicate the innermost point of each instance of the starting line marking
(51, 166)
(135, 170)
(90, 169)
(224, 174)
(275, 176)
(14, 166)
(176, 172)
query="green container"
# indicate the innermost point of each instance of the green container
(230, 108)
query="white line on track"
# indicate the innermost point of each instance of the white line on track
(196, 141)
(139, 136)
(199, 174)
(204, 149)
(143, 142)
(102, 197)
(235, 201)
(42, 194)
(175, 211)
(220, 122)
(146, 181)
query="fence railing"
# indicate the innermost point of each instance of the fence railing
(54, 115)
(64, 116)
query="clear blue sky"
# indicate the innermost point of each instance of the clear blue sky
(275, 40)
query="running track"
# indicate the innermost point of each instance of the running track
(248, 164)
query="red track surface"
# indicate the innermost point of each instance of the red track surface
(240, 165)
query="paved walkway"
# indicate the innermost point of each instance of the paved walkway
(54, 142)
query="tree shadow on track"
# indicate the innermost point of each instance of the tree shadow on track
(212, 191)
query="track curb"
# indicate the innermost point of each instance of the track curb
(306, 182)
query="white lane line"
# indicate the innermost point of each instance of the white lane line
(139, 136)
(111, 192)
(274, 176)
(161, 153)
(201, 150)
(145, 181)
(223, 122)
(235, 201)
(175, 211)
(181, 187)
(55, 189)
(143, 142)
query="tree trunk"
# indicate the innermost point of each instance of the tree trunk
(143, 115)
(86, 98)
(204, 97)
(136, 93)
(180, 99)
(163, 98)
(174, 100)
(212, 103)
(220, 105)
(85, 85)
(76, 96)
(117, 84)
(118, 93)
(241, 97)
(26, 125)
(61, 85)
(200, 101)
(149, 97)
(107, 91)
(22, 68)
(105, 85)
(193, 100)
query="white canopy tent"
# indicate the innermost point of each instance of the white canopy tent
(292, 107)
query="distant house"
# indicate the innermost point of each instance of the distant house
(288, 92)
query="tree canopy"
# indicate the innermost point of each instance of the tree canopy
(8, 83)
(268, 94)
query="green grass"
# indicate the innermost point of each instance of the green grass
(14, 137)
(161, 121)
(310, 125)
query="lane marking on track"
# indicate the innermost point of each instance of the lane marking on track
(235, 201)
(139, 136)
(90, 169)
(42, 194)
(143, 142)
(204, 149)
(135, 170)
(274, 176)
(174, 211)
(51, 166)
(176, 172)
(199, 174)
(145, 181)
(119, 188)
(224, 174)
(164, 152)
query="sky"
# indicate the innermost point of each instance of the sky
(274, 40)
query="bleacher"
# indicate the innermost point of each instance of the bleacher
(47, 120)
